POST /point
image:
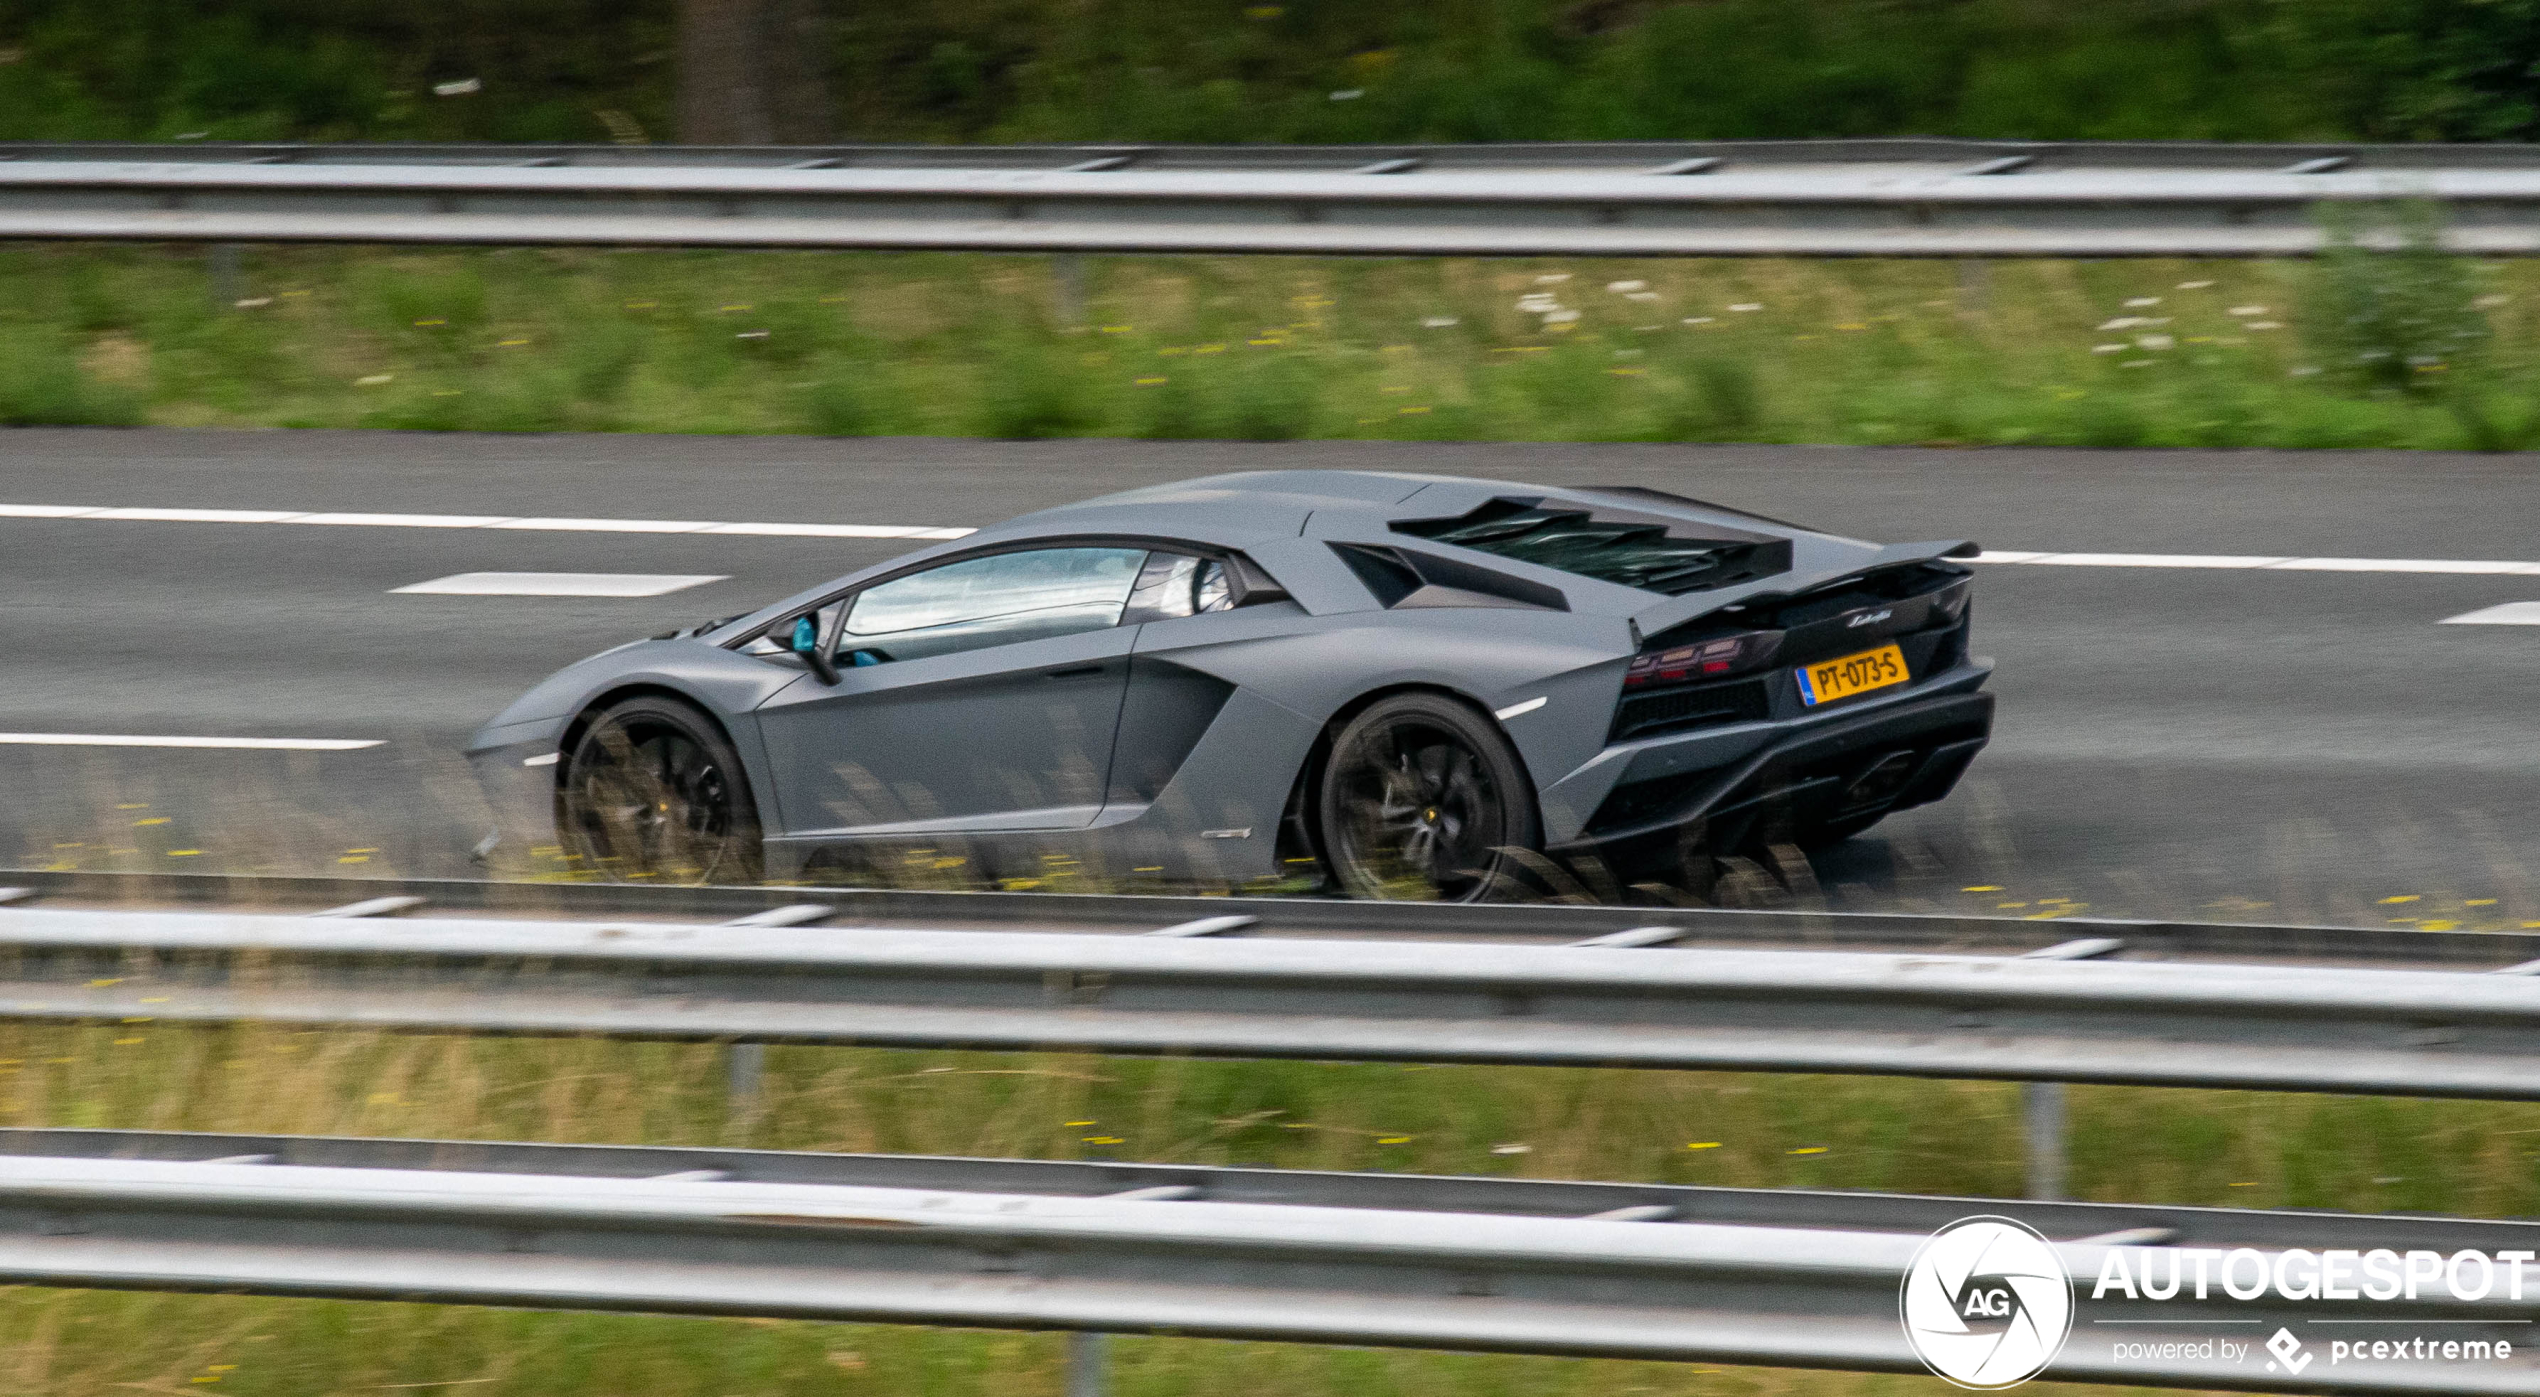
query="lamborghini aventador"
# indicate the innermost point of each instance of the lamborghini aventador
(1385, 685)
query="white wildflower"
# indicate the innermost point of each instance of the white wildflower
(1536, 303)
(373, 380)
(2263, 325)
(2155, 342)
(2248, 310)
(2193, 285)
(2125, 322)
(1697, 320)
(1621, 287)
(2302, 371)
(1437, 322)
(1349, 94)
(1552, 278)
(1743, 306)
(2110, 348)
(1560, 317)
(1640, 295)
(2141, 301)
(461, 88)
(2491, 302)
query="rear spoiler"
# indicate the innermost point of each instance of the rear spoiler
(1675, 611)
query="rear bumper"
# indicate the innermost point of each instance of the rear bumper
(1829, 771)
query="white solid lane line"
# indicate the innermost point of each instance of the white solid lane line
(2512, 613)
(558, 584)
(483, 521)
(2235, 561)
(255, 744)
(608, 526)
(2261, 563)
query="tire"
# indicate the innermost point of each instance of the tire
(653, 791)
(1423, 799)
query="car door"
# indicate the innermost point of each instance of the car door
(980, 694)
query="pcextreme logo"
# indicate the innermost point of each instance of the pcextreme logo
(1986, 1303)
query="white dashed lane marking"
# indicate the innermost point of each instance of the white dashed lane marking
(257, 744)
(558, 584)
(2512, 613)
(481, 521)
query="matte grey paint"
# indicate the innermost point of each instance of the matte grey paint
(991, 753)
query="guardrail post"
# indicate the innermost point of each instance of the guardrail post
(1088, 1355)
(228, 280)
(2042, 1108)
(1975, 283)
(1067, 289)
(745, 1067)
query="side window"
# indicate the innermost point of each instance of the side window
(1176, 584)
(996, 600)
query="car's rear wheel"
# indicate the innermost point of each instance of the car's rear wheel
(654, 791)
(1423, 799)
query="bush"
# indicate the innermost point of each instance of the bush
(1716, 399)
(2387, 307)
(842, 401)
(42, 385)
(1033, 391)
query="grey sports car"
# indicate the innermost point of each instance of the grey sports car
(1385, 685)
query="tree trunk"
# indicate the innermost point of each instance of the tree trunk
(753, 72)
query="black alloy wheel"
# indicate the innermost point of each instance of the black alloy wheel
(1423, 799)
(654, 792)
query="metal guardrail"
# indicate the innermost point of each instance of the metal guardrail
(1847, 198)
(1798, 1279)
(2293, 1028)
(1540, 922)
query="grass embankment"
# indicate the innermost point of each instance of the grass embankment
(2060, 353)
(2139, 1145)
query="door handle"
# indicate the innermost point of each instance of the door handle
(1072, 672)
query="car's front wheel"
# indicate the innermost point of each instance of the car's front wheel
(1422, 798)
(654, 791)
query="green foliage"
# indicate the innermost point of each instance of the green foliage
(1716, 398)
(333, 69)
(42, 385)
(1305, 70)
(842, 401)
(2415, 70)
(1032, 390)
(2389, 307)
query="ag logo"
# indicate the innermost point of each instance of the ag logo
(1986, 1303)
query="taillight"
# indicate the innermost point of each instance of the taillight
(1702, 659)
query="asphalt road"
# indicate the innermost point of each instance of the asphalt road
(2291, 746)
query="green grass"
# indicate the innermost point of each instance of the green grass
(1872, 352)
(2239, 1149)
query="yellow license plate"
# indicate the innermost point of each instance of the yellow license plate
(1828, 680)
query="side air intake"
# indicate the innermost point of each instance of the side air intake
(1403, 579)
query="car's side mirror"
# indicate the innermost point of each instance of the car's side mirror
(804, 640)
